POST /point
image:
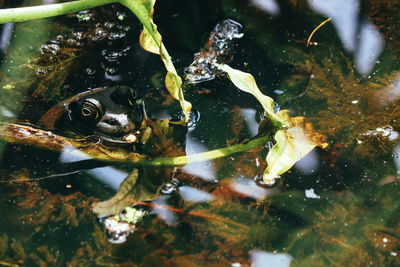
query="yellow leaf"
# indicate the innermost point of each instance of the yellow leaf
(246, 82)
(291, 146)
(173, 83)
(147, 42)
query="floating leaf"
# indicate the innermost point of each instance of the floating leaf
(246, 82)
(131, 190)
(291, 146)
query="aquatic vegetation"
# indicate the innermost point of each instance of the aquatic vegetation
(365, 113)
(216, 209)
(382, 14)
(294, 137)
(349, 234)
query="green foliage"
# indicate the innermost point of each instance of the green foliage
(348, 234)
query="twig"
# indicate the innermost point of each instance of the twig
(319, 26)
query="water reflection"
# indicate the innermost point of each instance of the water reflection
(311, 194)
(6, 113)
(358, 35)
(194, 195)
(269, 6)
(249, 116)
(160, 208)
(108, 175)
(369, 49)
(6, 36)
(205, 169)
(389, 94)
(261, 258)
(309, 163)
(48, 2)
(396, 157)
(344, 15)
(249, 188)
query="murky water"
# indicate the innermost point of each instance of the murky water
(337, 206)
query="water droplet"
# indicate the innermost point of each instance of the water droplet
(121, 15)
(167, 188)
(90, 71)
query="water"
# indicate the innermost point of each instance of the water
(337, 206)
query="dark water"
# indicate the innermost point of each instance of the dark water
(336, 207)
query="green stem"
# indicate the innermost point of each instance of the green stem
(140, 11)
(39, 12)
(204, 156)
(31, 136)
(45, 11)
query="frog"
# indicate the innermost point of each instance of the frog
(110, 114)
(113, 113)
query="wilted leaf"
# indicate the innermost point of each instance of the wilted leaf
(173, 81)
(245, 82)
(148, 43)
(291, 146)
(294, 139)
(174, 85)
(130, 191)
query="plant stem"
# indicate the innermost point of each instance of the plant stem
(204, 156)
(31, 136)
(144, 14)
(44, 11)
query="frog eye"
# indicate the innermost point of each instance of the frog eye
(91, 109)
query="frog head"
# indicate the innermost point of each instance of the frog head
(108, 112)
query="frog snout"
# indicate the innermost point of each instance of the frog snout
(115, 124)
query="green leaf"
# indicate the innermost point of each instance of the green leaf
(291, 146)
(246, 82)
(151, 40)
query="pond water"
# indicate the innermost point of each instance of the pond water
(338, 206)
